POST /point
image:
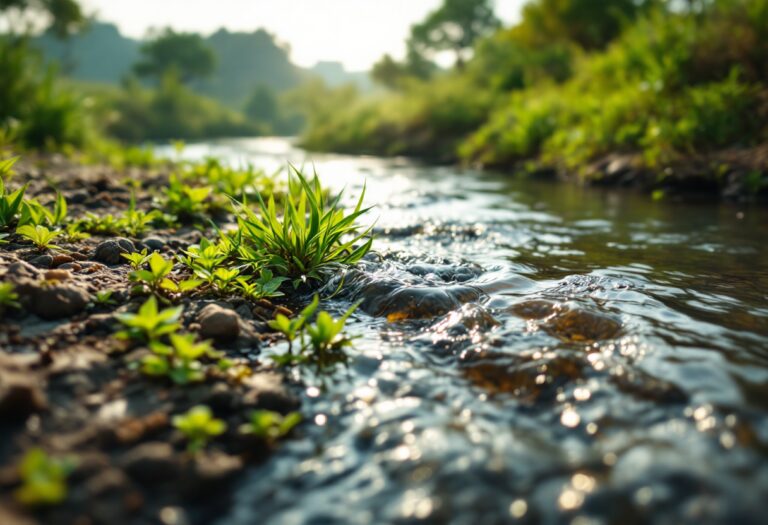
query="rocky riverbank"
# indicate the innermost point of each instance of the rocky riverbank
(69, 387)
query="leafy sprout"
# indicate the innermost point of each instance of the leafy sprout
(8, 297)
(269, 425)
(136, 259)
(156, 277)
(44, 479)
(105, 298)
(39, 235)
(199, 427)
(180, 361)
(149, 324)
(10, 203)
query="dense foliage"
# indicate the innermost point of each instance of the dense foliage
(573, 81)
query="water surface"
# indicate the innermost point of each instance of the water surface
(530, 352)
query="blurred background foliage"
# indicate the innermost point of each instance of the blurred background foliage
(572, 81)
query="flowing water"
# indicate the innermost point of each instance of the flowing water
(530, 352)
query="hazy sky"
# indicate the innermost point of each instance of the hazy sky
(355, 32)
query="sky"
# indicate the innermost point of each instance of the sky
(354, 32)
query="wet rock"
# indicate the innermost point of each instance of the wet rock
(407, 302)
(151, 462)
(53, 302)
(535, 309)
(267, 391)
(108, 252)
(73, 267)
(219, 324)
(42, 261)
(20, 396)
(582, 326)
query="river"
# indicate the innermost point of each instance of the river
(529, 352)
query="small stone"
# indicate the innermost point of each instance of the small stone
(21, 270)
(53, 302)
(108, 252)
(78, 197)
(42, 261)
(57, 275)
(58, 260)
(73, 267)
(20, 396)
(151, 462)
(154, 244)
(219, 323)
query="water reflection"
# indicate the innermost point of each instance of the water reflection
(533, 353)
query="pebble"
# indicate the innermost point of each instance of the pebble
(151, 462)
(219, 323)
(53, 302)
(42, 261)
(20, 396)
(108, 252)
(57, 275)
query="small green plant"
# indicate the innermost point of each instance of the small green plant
(291, 328)
(224, 278)
(44, 479)
(269, 425)
(322, 343)
(8, 297)
(74, 233)
(156, 279)
(34, 213)
(267, 285)
(180, 361)
(311, 238)
(10, 203)
(137, 259)
(104, 298)
(148, 324)
(185, 201)
(39, 235)
(199, 427)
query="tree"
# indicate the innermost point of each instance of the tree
(263, 107)
(183, 54)
(591, 24)
(454, 27)
(62, 17)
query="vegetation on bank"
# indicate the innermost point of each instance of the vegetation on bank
(572, 82)
(291, 237)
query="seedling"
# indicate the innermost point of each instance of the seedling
(149, 324)
(291, 328)
(199, 427)
(10, 203)
(322, 344)
(8, 297)
(180, 361)
(44, 479)
(137, 259)
(185, 201)
(225, 277)
(135, 221)
(104, 298)
(311, 238)
(265, 286)
(34, 213)
(39, 235)
(269, 425)
(155, 279)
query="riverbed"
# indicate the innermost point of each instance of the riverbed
(531, 352)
